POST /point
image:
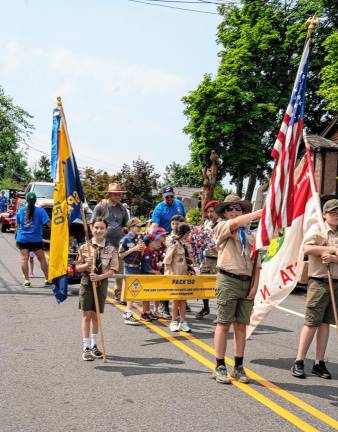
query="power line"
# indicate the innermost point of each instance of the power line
(173, 7)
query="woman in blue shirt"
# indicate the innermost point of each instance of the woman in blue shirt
(30, 220)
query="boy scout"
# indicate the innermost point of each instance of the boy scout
(322, 250)
(234, 293)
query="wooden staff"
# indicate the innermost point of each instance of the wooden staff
(96, 299)
(333, 299)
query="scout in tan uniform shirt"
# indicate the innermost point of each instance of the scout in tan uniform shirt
(177, 262)
(234, 294)
(100, 255)
(322, 250)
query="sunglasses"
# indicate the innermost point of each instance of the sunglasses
(236, 207)
(169, 197)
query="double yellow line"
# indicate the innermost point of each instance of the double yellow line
(282, 412)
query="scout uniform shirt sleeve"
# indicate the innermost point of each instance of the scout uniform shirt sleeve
(222, 232)
(114, 261)
(80, 259)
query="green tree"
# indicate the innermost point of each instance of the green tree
(139, 180)
(179, 175)
(238, 112)
(42, 173)
(329, 86)
(15, 128)
(95, 183)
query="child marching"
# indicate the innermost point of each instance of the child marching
(98, 261)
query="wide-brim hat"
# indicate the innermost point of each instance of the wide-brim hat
(231, 200)
(134, 221)
(115, 188)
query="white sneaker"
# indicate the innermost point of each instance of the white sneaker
(183, 326)
(173, 326)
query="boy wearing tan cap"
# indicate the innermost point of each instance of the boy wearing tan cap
(322, 250)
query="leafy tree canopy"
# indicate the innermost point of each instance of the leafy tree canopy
(15, 128)
(179, 175)
(95, 183)
(42, 172)
(238, 112)
(139, 181)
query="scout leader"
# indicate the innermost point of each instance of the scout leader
(322, 250)
(234, 291)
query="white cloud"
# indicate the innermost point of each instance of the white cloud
(104, 74)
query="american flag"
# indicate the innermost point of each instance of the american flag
(278, 208)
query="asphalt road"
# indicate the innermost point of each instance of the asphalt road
(153, 381)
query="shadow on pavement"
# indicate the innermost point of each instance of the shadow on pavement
(266, 329)
(145, 366)
(305, 386)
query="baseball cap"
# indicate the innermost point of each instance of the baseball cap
(31, 196)
(168, 190)
(330, 205)
(212, 203)
(134, 221)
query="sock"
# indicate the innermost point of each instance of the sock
(238, 361)
(205, 304)
(299, 362)
(220, 362)
(94, 340)
(86, 343)
(318, 362)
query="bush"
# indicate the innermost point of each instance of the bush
(194, 216)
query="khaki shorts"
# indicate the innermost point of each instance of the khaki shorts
(86, 294)
(318, 303)
(208, 266)
(231, 302)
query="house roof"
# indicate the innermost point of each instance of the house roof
(318, 142)
(185, 191)
(330, 126)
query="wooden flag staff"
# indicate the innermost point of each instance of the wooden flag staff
(329, 274)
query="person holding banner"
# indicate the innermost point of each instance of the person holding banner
(234, 291)
(322, 250)
(97, 266)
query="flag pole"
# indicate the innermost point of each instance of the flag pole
(321, 222)
(96, 300)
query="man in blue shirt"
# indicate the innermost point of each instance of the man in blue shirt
(30, 220)
(165, 210)
(3, 202)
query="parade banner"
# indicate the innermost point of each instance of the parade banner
(283, 262)
(173, 287)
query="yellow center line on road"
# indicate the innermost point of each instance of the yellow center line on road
(260, 397)
(261, 380)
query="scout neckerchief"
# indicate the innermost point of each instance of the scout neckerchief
(242, 238)
(98, 260)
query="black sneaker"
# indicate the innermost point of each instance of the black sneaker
(202, 313)
(298, 369)
(321, 371)
(96, 352)
(87, 355)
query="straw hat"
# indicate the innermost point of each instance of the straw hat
(233, 199)
(115, 188)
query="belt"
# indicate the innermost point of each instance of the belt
(132, 265)
(235, 276)
(322, 279)
(211, 257)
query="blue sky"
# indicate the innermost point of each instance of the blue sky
(121, 69)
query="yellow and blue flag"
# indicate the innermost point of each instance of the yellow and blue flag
(68, 196)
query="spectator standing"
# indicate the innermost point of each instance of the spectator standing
(165, 210)
(117, 217)
(3, 202)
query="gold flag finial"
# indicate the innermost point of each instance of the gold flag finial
(312, 23)
(58, 101)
